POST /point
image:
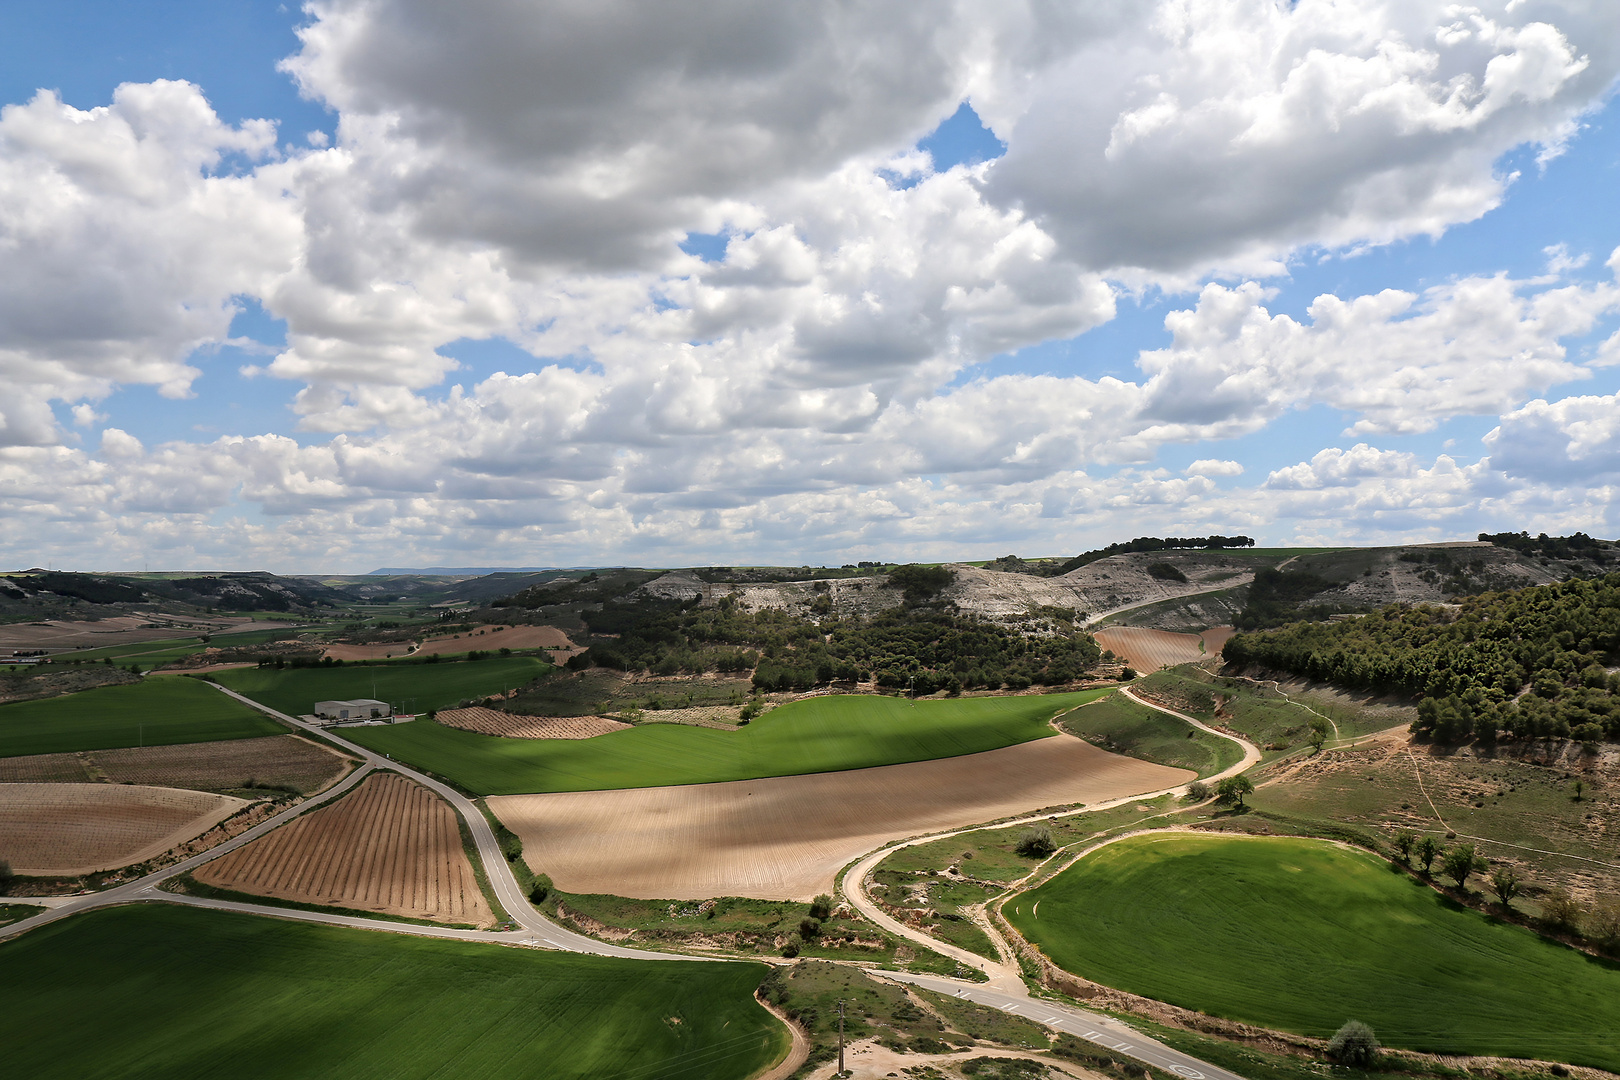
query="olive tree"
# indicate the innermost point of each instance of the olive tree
(1427, 850)
(1459, 862)
(1353, 1044)
(1233, 789)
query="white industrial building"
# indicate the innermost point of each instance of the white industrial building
(359, 709)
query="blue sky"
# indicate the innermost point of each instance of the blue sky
(514, 311)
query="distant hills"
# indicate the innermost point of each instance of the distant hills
(455, 571)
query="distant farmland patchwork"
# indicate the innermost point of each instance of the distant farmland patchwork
(389, 846)
(824, 734)
(186, 994)
(276, 761)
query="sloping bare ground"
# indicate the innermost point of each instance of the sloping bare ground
(517, 726)
(276, 761)
(868, 1059)
(390, 846)
(119, 630)
(1149, 650)
(786, 837)
(65, 830)
(486, 637)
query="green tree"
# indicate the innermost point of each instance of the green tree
(1405, 840)
(1353, 1044)
(821, 907)
(1505, 884)
(1427, 850)
(1319, 734)
(1037, 843)
(1459, 861)
(1233, 790)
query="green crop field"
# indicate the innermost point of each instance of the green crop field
(155, 712)
(1303, 935)
(180, 993)
(411, 687)
(823, 734)
(1119, 724)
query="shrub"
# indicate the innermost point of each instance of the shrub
(1165, 572)
(1036, 843)
(1353, 1044)
(1560, 909)
(1198, 791)
(809, 928)
(821, 907)
(1127, 674)
(790, 948)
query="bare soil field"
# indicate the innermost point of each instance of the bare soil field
(1149, 650)
(786, 837)
(119, 630)
(273, 761)
(71, 829)
(389, 846)
(479, 637)
(517, 726)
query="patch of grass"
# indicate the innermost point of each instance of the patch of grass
(824, 734)
(1301, 935)
(409, 687)
(10, 913)
(1119, 724)
(983, 1022)
(154, 712)
(159, 990)
(809, 992)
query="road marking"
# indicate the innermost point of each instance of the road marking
(1190, 1074)
(1009, 1006)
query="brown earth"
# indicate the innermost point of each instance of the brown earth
(65, 830)
(273, 761)
(786, 837)
(479, 637)
(1149, 650)
(517, 726)
(389, 846)
(119, 630)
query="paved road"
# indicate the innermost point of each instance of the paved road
(1108, 1034)
(534, 928)
(1006, 988)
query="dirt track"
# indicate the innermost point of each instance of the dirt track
(390, 846)
(517, 726)
(786, 837)
(71, 829)
(1149, 650)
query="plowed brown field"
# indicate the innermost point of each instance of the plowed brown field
(785, 838)
(495, 722)
(390, 846)
(72, 829)
(277, 761)
(482, 637)
(1149, 650)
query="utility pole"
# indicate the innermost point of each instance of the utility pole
(840, 1036)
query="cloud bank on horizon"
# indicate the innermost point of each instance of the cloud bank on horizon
(810, 281)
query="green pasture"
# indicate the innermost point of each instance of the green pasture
(411, 687)
(1303, 935)
(181, 993)
(147, 653)
(824, 734)
(154, 712)
(1119, 724)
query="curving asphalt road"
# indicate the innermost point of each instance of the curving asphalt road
(534, 928)
(1006, 989)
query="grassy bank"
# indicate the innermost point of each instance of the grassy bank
(824, 734)
(182, 993)
(156, 712)
(1119, 724)
(1302, 935)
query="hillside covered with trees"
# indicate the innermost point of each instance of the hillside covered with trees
(922, 643)
(1531, 663)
